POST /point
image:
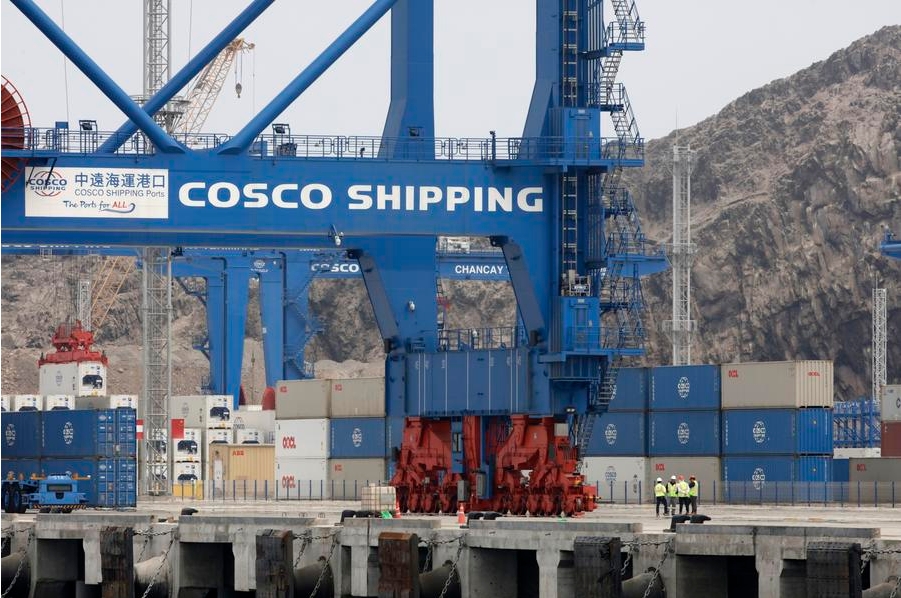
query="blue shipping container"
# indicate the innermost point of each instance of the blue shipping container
(89, 433)
(841, 470)
(631, 390)
(684, 433)
(777, 431)
(619, 434)
(357, 437)
(694, 387)
(105, 488)
(20, 469)
(22, 434)
(759, 469)
(813, 469)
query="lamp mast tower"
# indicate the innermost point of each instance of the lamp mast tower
(681, 255)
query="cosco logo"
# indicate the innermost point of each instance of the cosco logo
(683, 387)
(610, 474)
(758, 477)
(340, 267)
(10, 434)
(610, 433)
(288, 481)
(46, 183)
(759, 431)
(314, 196)
(357, 437)
(683, 433)
(68, 433)
(288, 442)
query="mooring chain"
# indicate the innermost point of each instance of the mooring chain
(162, 562)
(431, 544)
(325, 566)
(897, 587)
(453, 570)
(306, 539)
(22, 561)
(647, 591)
(630, 546)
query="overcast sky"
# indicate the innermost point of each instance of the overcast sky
(701, 54)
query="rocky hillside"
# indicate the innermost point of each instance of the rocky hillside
(793, 185)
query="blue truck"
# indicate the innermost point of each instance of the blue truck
(53, 493)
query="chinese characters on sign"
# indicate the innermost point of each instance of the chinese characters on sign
(97, 193)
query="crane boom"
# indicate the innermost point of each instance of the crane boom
(207, 86)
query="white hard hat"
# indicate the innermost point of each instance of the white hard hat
(659, 479)
(672, 477)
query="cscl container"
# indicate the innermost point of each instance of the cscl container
(685, 387)
(890, 405)
(358, 437)
(22, 432)
(19, 469)
(84, 433)
(619, 433)
(348, 477)
(777, 431)
(27, 403)
(777, 384)
(777, 468)
(299, 477)
(631, 391)
(626, 474)
(302, 438)
(891, 439)
(243, 463)
(358, 397)
(307, 399)
(707, 471)
(59, 402)
(684, 432)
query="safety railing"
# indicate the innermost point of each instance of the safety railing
(287, 488)
(530, 150)
(504, 337)
(747, 492)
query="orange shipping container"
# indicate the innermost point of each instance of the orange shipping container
(241, 462)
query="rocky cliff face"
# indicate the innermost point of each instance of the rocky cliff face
(793, 185)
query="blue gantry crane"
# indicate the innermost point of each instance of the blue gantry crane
(471, 411)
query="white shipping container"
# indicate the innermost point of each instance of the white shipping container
(306, 438)
(296, 399)
(890, 404)
(6, 402)
(856, 453)
(358, 397)
(218, 409)
(627, 474)
(260, 420)
(301, 477)
(58, 402)
(218, 435)
(786, 384)
(117, 401)
(195, 434)
(93, 403)
(59, 378)
(249, 436)
(189, 408)
(190, 447)
(27, 403)
(187, 472)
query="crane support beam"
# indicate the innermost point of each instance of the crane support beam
(242, 140)
(188, 72)
(104, 83)
(381, 305)
(523, 288)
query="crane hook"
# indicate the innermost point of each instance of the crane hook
(238, 88)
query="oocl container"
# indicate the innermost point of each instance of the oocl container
(777, 431)
(626, 474)
(778, 384)
(358, 437)
(358, 397)
(22, 432)
(619, 433)
(632, 388)
(27, 403)
(302, 438)
(890, 405)
(685, 387)
(684, 433)
(296, 399)
(298, 477)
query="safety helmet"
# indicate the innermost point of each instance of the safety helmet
(672, 477)
(659, 479)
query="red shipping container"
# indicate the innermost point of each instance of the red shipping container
(891, 439)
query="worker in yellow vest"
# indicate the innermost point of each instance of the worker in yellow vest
(682, 493)
(672, 492)
(660, 497)
(693, 494)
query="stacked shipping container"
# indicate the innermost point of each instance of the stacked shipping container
(777, 423)
(100, 444)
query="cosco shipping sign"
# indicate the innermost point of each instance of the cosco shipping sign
(96, 193)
